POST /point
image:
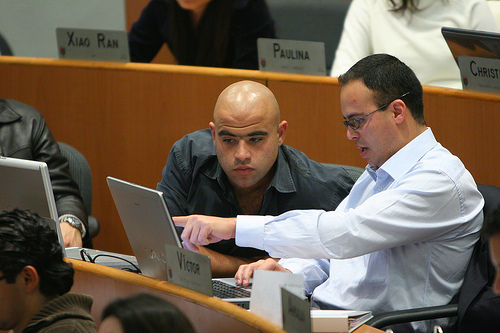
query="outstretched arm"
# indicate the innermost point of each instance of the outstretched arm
(204, 230)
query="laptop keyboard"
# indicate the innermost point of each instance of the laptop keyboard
(224, 290)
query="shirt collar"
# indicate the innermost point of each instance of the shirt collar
(406, 158)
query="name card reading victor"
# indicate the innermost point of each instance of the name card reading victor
(291, 56)
(189, 269)
(92, 44)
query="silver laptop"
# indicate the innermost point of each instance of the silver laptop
(149, 227)
(25, 184)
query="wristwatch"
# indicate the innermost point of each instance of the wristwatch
(74, 222)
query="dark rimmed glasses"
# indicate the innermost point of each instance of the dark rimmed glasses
(355, 123)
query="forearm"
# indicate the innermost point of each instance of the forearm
(224, 265)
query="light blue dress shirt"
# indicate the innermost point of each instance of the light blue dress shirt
(401, 239)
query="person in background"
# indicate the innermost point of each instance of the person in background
(35, 280)
(143, 313)
(24, 134)
(212, 33)
(404, 235)
(241, 166)
(411, 31)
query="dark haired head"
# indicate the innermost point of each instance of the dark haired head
(388, 78)
(25, 239)
(491, 225)
(147, 314)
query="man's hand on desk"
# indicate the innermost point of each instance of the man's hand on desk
(245, 272)
(203, 230)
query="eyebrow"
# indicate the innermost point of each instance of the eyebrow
(352, 116)
(256, 133)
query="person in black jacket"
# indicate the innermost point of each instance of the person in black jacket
(24, 134)
(212, 33)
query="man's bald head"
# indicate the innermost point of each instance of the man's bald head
(244, 99)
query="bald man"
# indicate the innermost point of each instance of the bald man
(241, 166)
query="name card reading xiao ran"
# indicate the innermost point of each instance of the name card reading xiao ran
(92, 44)
(291, 56)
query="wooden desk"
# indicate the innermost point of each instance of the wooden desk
(125, 117)
(207, 314)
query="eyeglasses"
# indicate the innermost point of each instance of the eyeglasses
(355, 123)
(87, 257)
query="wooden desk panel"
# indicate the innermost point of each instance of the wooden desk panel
(207, 314)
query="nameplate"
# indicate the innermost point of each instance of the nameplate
(291, 56)
(296, 313)
(189, 269)
(265, 300)
(480, 74)
(92, 44)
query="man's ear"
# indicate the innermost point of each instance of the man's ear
(29, 278)
(282, 127)
(399, 110)
(212, 129)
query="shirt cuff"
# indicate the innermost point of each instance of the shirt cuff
(250, 230)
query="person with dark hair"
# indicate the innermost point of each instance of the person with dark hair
(491, 232)
(143, 313)
(35, 280)
(24, 134)
(240, 165)
(411, 31)
(212, 33)
(403, 236)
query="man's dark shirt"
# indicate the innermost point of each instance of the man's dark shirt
(194, 183)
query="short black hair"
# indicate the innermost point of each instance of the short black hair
(26, 239)
(491, 225)
(147, 313)
(388, 78)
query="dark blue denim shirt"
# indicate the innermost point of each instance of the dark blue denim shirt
(194, 183)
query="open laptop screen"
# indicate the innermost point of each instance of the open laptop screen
(25, 184)
(473, 43)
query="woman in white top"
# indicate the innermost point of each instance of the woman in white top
(411, 31)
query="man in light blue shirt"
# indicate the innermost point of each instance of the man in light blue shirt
(403, 236)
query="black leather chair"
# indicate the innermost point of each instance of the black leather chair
(311, 20)
(477, 308)
(81, 173)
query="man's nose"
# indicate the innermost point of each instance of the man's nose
(351, 134)
(242, 152)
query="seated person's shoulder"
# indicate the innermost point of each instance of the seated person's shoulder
(195, 147)
(328, 174)
(199, 142)
(13, 107)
